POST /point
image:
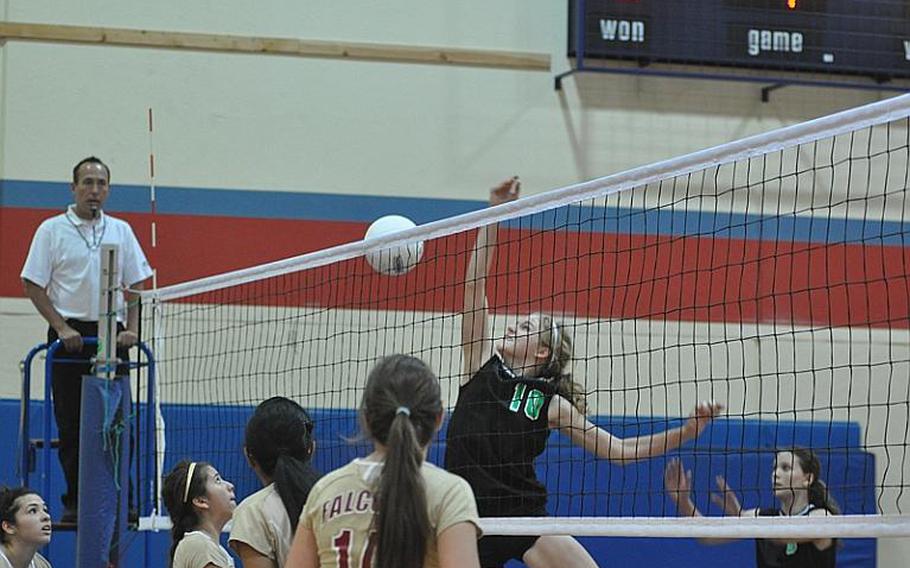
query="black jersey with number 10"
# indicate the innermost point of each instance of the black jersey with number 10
(499, 426)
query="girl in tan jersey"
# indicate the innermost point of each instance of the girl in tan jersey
(391, 509)
(25, 526)
(279, 446)
(200, 503)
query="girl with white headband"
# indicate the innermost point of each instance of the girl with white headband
(513, 392)
(200, 503)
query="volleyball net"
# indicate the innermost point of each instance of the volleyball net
(771, 274)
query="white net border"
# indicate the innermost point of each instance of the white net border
(839, 526)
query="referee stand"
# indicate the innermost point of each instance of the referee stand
(105, 434)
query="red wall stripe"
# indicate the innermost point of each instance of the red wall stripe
(591, 275)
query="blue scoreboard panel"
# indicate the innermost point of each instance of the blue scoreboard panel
(856, 37)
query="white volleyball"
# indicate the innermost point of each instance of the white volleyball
(396, 260)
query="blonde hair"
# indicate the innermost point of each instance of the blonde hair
(558, 340)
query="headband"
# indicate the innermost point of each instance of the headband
(189, 479)
(554, 339)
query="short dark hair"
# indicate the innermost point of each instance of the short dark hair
(8, 506)
(90, 160)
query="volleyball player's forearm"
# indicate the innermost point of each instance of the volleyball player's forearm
(643, 447)
(685, 507)
(482, 257)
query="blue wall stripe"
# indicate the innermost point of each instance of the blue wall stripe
(240, 203)
(722, 224)
(365, 208)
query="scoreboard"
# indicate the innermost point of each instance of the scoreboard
(856, 37)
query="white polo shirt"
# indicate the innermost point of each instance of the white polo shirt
(65, 259)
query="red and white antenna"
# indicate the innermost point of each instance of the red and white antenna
(160, 437)
(152, 198)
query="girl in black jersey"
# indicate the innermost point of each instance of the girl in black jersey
(800, 492)
(512, 394)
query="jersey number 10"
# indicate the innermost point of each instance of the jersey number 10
(532, 404)
(344, 542)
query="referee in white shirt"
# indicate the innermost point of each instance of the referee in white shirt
(61, 276)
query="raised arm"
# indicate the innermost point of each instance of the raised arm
(573, 423)
(727, 500)
(678, 484)
(475, 325)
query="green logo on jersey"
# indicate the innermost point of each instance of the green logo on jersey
(532, 405)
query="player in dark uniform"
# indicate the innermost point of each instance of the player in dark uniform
(512, 394)
(800, 492)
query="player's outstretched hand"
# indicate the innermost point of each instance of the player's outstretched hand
(506, 191)
(677, 481)
(726, 499)
(701, 417)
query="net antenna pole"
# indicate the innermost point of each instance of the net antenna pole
(157, 332)
(104, 437)
(106, 359)
(160, 426)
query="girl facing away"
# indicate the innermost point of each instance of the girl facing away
(391, 509)
(799, 491)
(25, 526)
(200, 503)
(513, 392)
(279, 445)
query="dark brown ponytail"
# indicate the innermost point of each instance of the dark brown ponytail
(400, 409)
(818, 491)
